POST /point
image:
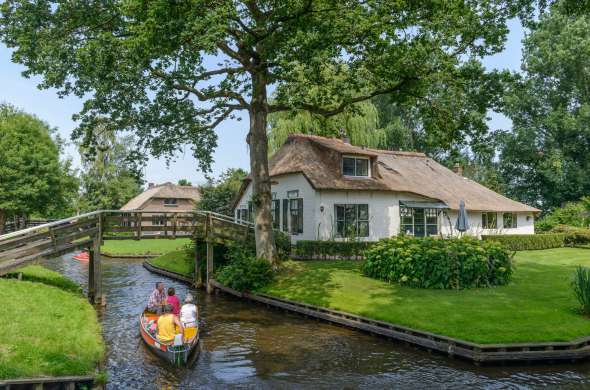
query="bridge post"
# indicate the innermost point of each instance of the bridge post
(209, 243)
(198, 281)
(94, 266)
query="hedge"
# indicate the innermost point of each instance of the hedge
(322, 250)
(524, 242)
(443, 264)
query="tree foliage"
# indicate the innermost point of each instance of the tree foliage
(172, 71)
(108, 178)
(218, 195)
(545, 159)
(33, 179)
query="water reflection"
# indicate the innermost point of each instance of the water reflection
(246, 345)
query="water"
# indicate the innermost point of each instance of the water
(249, 346)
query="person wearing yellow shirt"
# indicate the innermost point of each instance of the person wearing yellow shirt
(168, 325)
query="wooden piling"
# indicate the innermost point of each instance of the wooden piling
(209, 266)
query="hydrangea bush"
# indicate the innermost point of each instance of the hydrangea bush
(436, 263)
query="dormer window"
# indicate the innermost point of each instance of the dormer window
(355, 166)
(170, 202)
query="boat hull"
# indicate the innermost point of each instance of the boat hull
(177, 356)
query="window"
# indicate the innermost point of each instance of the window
(510, 220)
(126, 220)
(293, 194)
(158, 220)
(170, 202)
(250, 215)
(296, 216)
(285, 215)
(419, 222)
(243, 214)
(489, 220)
(355, 166)
(275, 210)
(352, 220)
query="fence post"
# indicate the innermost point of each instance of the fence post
(174, 221)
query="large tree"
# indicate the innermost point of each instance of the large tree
(172, 71)
(33, 179)
(545, 159)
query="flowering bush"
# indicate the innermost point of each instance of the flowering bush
(435, 263)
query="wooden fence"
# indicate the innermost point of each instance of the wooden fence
(87, 231)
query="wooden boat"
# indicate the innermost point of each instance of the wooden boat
(178, 355)
(82, 256)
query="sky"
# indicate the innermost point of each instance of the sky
(231, 152)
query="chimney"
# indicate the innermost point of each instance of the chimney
(343, 136)
(458, 169)
(151, 185)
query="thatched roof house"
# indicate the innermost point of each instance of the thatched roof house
(165, 198)
(398, 190)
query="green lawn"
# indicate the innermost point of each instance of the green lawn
(177, 261)
(46, 330)
(538, 305)
(37, 273)
(156, 246)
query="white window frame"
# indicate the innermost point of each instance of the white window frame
(355, 159)
(514, 220)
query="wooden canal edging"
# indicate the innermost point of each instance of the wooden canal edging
(478, 353)
(64, 382)
(168, 274)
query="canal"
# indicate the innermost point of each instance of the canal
(250, 346)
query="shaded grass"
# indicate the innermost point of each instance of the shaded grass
(177, 261)
(37, 273)
(154, 246)
(46, 331)
(538, 305)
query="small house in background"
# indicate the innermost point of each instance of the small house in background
(326, 188)
(162, 200)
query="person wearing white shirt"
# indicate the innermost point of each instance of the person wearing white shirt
(189, 312)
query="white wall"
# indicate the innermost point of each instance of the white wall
(523, 226)
(281, 185)
(384, 217)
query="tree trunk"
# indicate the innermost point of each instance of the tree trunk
(259, 171)
(2, 221)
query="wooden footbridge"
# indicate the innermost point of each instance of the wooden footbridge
(88, 231)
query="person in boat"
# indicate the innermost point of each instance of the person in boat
(157, 299)
(168, 325)
(173, 301)
(189, 312)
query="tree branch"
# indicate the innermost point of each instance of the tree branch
(342, 106)
(204, 96)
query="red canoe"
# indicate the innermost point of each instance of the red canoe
(82, 256)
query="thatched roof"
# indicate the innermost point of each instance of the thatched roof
(319, 160)
(163, 191)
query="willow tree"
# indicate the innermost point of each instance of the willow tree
(171, 71)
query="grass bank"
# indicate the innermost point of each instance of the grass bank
(538, 305)
(48, 327)
(156, 246)
(176, 261)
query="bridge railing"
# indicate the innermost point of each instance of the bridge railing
(88, 230)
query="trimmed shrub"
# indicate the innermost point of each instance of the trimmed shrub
(523, 242)
(444, 264)
(311, 249)
(244, 272)
(581, 286)
(283, 243)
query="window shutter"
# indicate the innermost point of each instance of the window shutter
(300, 215)
(286, 215)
